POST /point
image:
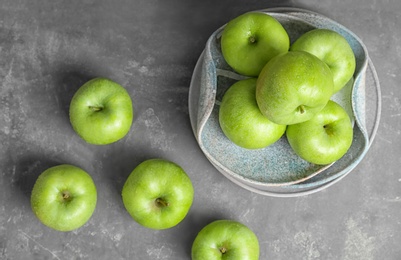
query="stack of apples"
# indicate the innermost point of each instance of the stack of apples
(289, 88)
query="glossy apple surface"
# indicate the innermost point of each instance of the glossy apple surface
(293, 87)
(101, 111)
(250, 40)
(64, 197)
(225, 239)
(332, 48)
(158, 194)
(323, 139)
(241, 120)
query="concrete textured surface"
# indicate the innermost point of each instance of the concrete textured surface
(50, 48)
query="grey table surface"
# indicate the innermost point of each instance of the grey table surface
(50, 48)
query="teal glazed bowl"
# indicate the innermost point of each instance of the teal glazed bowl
(276, 170)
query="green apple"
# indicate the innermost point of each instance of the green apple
(241, 120)
(332, 48)
(101, 111)
(323, 139)
(64, 197)
(158, 194)
(293, 87)
(225, 239)
(250, 40)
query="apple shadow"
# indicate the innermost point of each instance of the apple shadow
(117, 168)
(28, 170)
(68, 79)
(186, 231)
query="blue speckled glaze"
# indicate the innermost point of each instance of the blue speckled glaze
(275, 170)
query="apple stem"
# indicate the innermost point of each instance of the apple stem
(223, 250)
(66, 196)
(95, 108)
(328, 129)
(252, 39)
(301, 109)
(161, 203)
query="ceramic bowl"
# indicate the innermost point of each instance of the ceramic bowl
(276, 170)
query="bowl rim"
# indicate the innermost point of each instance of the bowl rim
(200, 124)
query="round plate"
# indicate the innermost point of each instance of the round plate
(277, 170)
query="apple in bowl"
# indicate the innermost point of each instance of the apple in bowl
(293, 87)
(241, 120)
(250, 40)
(333, 49)
(323, 139)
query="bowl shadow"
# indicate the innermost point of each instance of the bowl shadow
(186, 231)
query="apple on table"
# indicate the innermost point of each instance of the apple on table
(225, 239)
(250, 40)
(64, 197)
(101, 111)
(158, 194)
